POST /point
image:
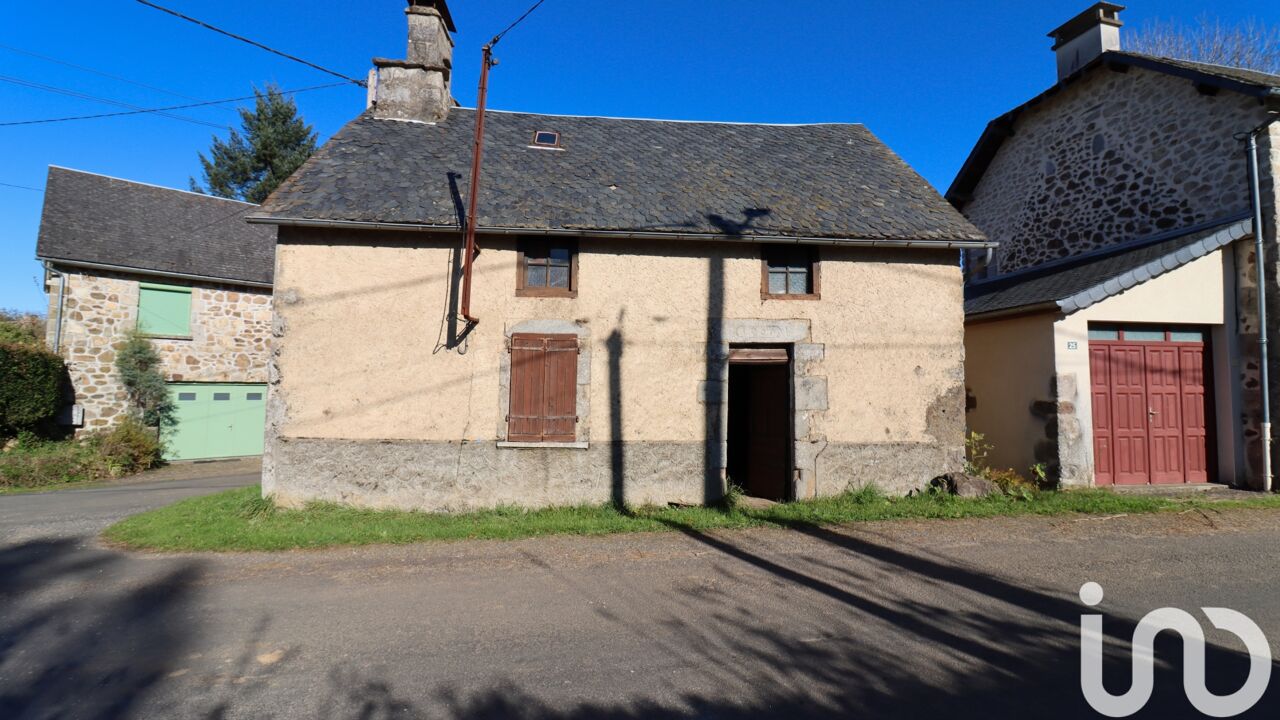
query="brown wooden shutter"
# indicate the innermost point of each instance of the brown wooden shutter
(544, 384)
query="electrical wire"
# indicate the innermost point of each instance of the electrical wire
(162, 110)
(519, 20)
(20, 187)
(117, 78)
(106, 101)
(254, 43)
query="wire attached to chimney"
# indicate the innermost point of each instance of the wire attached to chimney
(254, 43)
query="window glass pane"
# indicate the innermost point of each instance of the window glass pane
(222, 396)
(798, 283)
(1187, 335)
(777, 282)
(536, 276)
(164, 311)
(560, 255)
(186, 397)
(253, 396)
(1142, 335)
(1104, 334)
(558, 277)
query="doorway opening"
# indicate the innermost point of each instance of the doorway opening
(760, 422)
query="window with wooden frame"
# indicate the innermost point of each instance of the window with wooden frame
(547, 267)
(544, 388)
(789, 272)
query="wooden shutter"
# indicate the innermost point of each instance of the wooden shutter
(544, 388)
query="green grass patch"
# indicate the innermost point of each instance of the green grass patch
(241, 520)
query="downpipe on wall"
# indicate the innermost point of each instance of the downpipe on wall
(1255, 195)
(62, 294)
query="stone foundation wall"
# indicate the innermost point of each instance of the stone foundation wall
(230, 337)
(459, 476)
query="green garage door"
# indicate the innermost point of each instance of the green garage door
(216, 420)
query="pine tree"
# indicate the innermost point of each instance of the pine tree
(274, 143)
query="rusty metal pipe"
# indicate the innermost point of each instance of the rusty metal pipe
(473, 193)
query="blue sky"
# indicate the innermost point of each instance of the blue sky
(924, 77)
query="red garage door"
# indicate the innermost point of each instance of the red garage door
(1152, 409)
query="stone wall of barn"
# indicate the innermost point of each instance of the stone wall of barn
(1112, 157)
(230, 337)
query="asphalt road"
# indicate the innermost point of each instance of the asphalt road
(967, 619)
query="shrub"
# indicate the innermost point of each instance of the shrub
(32, 387)
(138, 365)
(125, 449)
(21, 328)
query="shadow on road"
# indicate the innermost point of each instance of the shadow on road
(1003, 650)
(71, 648)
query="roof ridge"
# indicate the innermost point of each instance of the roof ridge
(665, 120)
(150, 185)
(1200, 63)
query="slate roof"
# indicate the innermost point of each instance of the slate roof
(829, 181)
(1264, 86)
(1087, 279)
(96, 219)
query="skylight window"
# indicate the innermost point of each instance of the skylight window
(546, 138)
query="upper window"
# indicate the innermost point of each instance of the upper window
(546, 138)
(164, 310)
(548, 267)
(789, 271)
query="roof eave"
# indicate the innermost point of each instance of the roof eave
(957, 243)
(88, 265)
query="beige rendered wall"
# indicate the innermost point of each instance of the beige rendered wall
(1198, 293)
(359, 320)
(1009, 376)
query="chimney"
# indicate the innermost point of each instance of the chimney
(1086, 36)
(417, 88)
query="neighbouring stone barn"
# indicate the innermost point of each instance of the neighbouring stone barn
(1113, 335)
(185, 269)
(664, 308)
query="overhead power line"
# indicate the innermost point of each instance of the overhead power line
(162, 110)
(254, 43)
(117, 78)
(21, 186)
(106, 101)
(519, 20)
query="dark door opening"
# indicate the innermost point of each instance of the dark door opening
(759, 452)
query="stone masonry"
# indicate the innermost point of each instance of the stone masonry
(230, 337)
(1113, 157)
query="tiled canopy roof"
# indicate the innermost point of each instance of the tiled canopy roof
(1081, 281)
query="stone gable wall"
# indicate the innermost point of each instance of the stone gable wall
(1113, 157)
(230, 337)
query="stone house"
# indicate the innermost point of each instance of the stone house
(663, 308)
(184, 268)
(1113, 334)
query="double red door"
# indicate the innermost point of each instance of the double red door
(1151, 412)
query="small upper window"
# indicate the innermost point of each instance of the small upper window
(547, 266)
(546, 138)
(790, 271)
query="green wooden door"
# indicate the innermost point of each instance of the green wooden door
(216, 420)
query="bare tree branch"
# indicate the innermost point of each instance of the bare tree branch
(1251, 44)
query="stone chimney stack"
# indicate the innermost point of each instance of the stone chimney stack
(417, 88)
(1086, 36)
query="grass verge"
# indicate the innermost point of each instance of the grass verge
(241, 520)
